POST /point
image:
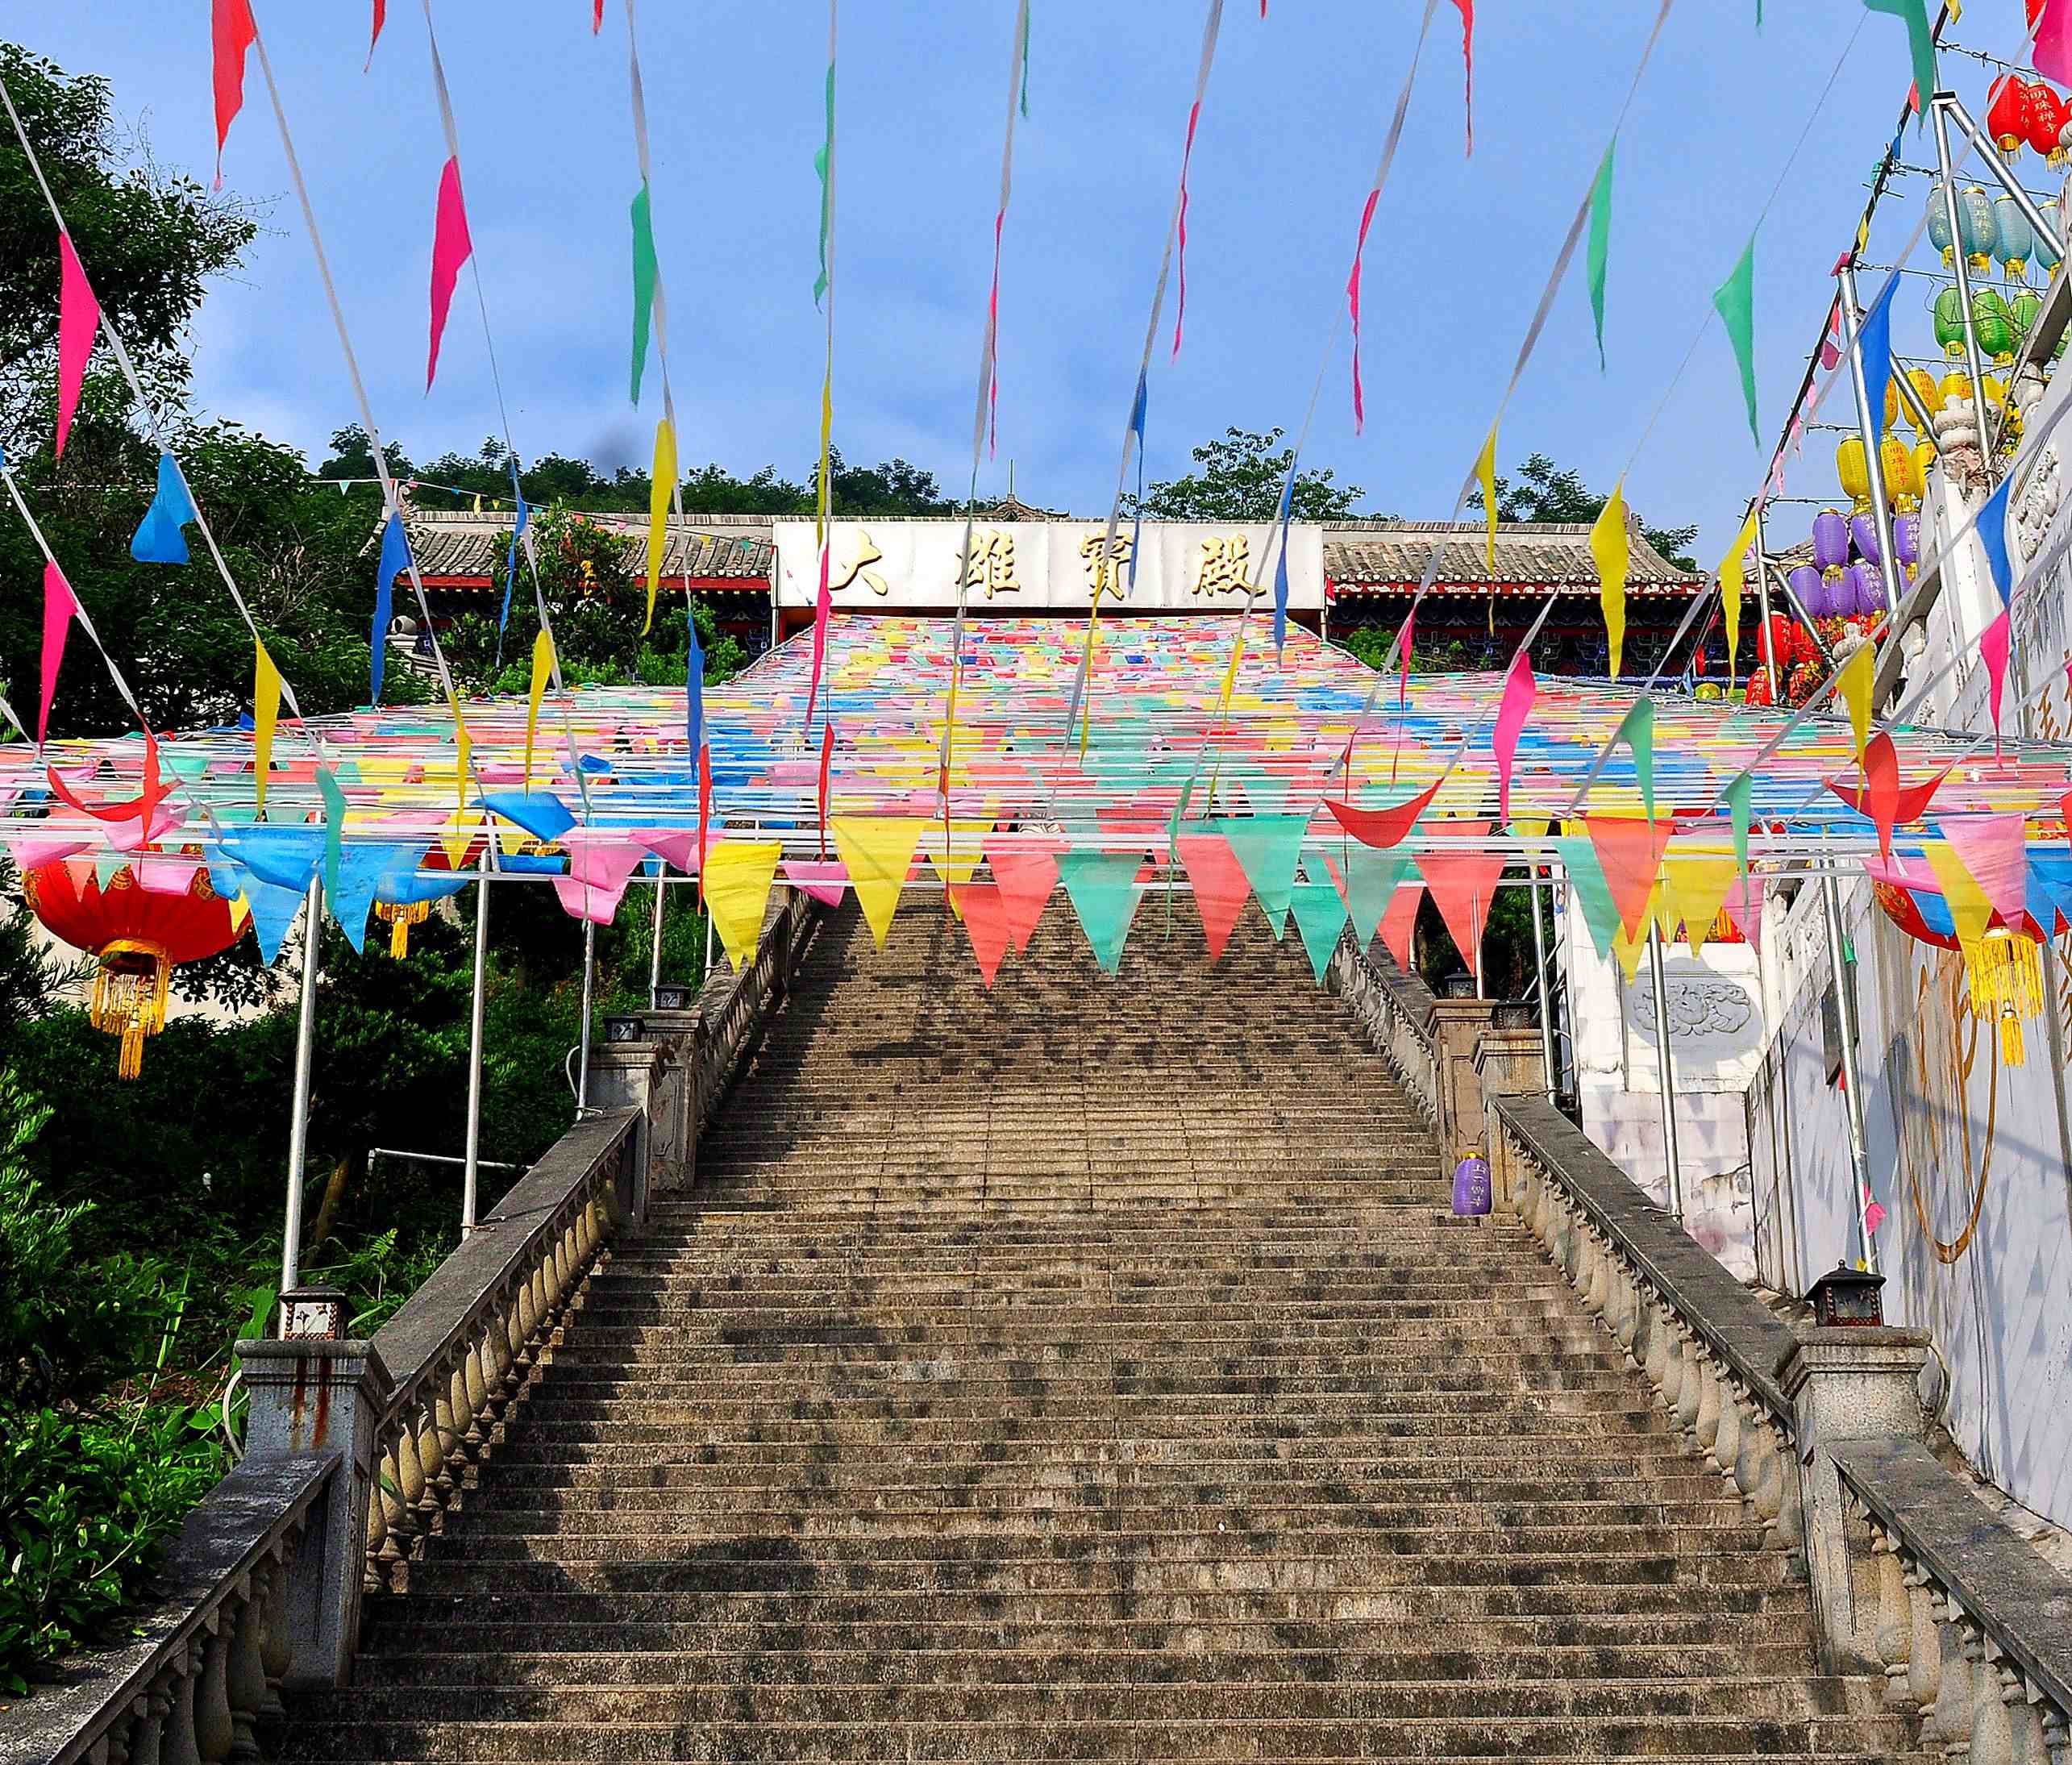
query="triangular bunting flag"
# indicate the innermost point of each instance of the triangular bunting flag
(1320, 916)
(1221, 887)
(1026, 877)
(823, 879)
(1629, 849)
(1399, 923)
(1103, 888)
(1586, 876)
(1694, 886)
(1991, 847)
(1370, 884)
(1463, 884)
(878, 852)
(737, 874)
(985, 920)
(1269, 846)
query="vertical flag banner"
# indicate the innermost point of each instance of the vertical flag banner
(1920, 44)
(78, 323)
(662, 483)
(543, 666)
(1735, 300)
(2052, 51)
(1600, 250)
(1994, 645)
(1186, 160)
(380, 18)
(1467, 61)
(1519, 689)
(1637, 730)
(644, 266)
(395, 562)
(1854, 680)
(823, 165)
(450, 248)
(1612, 547)
(1733, 575)
(265, 713)
(59, 607)
(1485, 469)
(158, 538)
(1740, 804)
(230, 34)
(1992, 530)
(1873, 339)
(1352, 299)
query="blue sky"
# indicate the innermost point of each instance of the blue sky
(1296, 109)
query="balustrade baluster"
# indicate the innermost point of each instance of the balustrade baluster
(244, 1622)
(214, 1731)
(1992, 1734)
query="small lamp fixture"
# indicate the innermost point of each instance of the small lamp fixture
(671, 995)
(1459, 984)
(312, 1315)
(626, 1029)
(1847, 1298)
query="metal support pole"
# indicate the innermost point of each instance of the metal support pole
(1867, 424)
(471, 1162)
(1805, 618)
(589, 991)
(2035, 216)
(1762, 599)
(655, 949)
(1846, 1023)
(1672, 1149)
(298, 1123)
(1947, 175)
(708, 914)
(1546, 993)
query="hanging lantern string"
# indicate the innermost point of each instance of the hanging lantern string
(153, 417)
(390, 498)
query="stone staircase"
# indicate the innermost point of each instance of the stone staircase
(1088, 1370)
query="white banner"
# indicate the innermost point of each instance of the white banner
(1046, 566)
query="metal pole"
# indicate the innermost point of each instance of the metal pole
(1846, 1022)
(589, 989)
(1805, 618)
(1762, 598)
(472, 1161)
(1949, 102)
(298, 1123)
(1546, 995)
(1947, 176)
(1873, 468)
(655, 950)
(708, 914)
(1672, 1149)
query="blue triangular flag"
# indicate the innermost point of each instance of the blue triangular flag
(158, 540)
(395, 560)
(1874, 338)
(510, 563)
(274, 911)
(1993, 535)
(360, 869)
(540, 813)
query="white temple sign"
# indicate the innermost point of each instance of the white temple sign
(1046, 566)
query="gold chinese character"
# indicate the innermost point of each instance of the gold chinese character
(1225, 566)
(1102, 573)
(990, 564)
(860, 571)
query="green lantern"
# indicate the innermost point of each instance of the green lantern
(2023, 312)
(1949, 322)
(1996, 328)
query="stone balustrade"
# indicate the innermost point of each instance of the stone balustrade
(201, 1682)
(1973, 1628)
(1397, 1010)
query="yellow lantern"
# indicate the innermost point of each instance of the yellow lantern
(1903, 489)
(1852, 468)
(1924, 459)
(1930, 395)
(1956, 389)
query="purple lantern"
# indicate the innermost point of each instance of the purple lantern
(1471, 1187)
(1907, 540)
(1868, 583)
(1811, 590)
(1830, 539)
(1863, 529)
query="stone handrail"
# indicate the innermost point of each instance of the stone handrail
(1972, 1627)
(1396, 1009)
(1707, 1345)
(201, 1680)
(733, 1008)
(464, 1344)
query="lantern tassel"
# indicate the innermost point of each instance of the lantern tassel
(2005, 972)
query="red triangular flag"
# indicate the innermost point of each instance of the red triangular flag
(985, 920)
(1221, 886)
(1384, 827)
(1025, 877)
(1401, 920)
(231, 32)
(1629, 849)
(1878, 794)
(380, 18)
(78, 324)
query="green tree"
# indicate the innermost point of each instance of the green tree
(1543, 491)
(1239, 476)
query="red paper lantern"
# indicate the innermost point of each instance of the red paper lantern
(136, 935)
(1774, 638)
(2008, 113)
(2046, 116)
(1900, 908)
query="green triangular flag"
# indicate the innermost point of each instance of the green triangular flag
(1739, 795)
(1593, 895)
(1920, 45)
(333, 796)
(1267, 793)
(106, 865)
(1735, 298)
(643, 283)
(1371, 877)
(1637, 730)
(1268, 847)
(1320, 916)
(1103, 888)
(1600, 242)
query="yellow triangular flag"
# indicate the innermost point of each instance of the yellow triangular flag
(954, 860)
(456, 844)
(1854, 682)
(662, 483)
(1485, 469)
(265, 712)
(1612, 548)
(478, 503)
(878, 851)
(1732, 575)
(1969, 910)
(1695, 885)
(738, 874)
(543, 669)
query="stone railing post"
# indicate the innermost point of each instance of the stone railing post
(314, 1396)
(639, 1076)
(1456, 1024)
(1845, 1383)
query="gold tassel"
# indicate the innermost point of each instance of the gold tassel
(2005, 972)
(130, 989)
(402, 915)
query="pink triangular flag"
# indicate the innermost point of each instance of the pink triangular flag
(1993, 645)
(1743, 905)
(1519, 689)
(822, 878)
(1401, 920)
(1025, 876)
(1992, 847)
(59, 607)
(449, 248)
(1221, 886)
(78, 323)
(985, 920)
(1463, 884)
(679, 848)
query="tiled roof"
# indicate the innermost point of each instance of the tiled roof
(455, 543)
(1389, 557)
